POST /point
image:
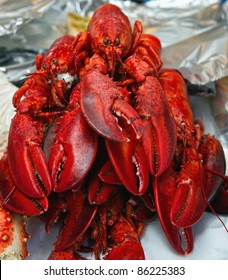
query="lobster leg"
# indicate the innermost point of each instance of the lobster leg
(102, 102)
(164, 188)
(159, 137)
(26, 159)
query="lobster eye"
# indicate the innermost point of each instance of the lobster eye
(117, 41)
(106, 41)
(54, 60)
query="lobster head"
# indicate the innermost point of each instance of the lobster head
(59, 58)
(111, 34)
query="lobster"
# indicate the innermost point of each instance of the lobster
(111, 40)
(192, 195)
(107, 140)
(62, 62)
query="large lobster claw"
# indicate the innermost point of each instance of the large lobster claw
(102, 102)
(128, 160)
(26, 159)
(71, 158)
(190, 200)
(164, 188)
(14, 199)
(159, 137)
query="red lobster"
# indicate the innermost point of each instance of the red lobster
(192, 186)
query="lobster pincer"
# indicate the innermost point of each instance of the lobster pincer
(102, 103)
(129, 161)
(27, 163)
(70, 158)
(13, 198)
(159, 137)
(164, 189)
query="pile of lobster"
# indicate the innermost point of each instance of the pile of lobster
(104, 139)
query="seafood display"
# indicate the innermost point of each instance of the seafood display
(104, 139)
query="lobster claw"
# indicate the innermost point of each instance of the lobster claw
(71, 158)
(214, 162)
(108, 174)
(14, 199)
(100, 192)
(127, 245)
(164, 189)
(26, 159)
(80, 216)
(190, 199)
(127, 157)
(216, 188)
(102, 102)
(159, 137)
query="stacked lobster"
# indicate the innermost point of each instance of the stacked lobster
(104, 139)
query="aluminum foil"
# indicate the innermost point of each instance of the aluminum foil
(193, 33)
(14, 14)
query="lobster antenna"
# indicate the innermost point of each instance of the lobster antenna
(208, 203)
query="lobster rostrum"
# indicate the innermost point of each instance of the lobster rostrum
(104, 139)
